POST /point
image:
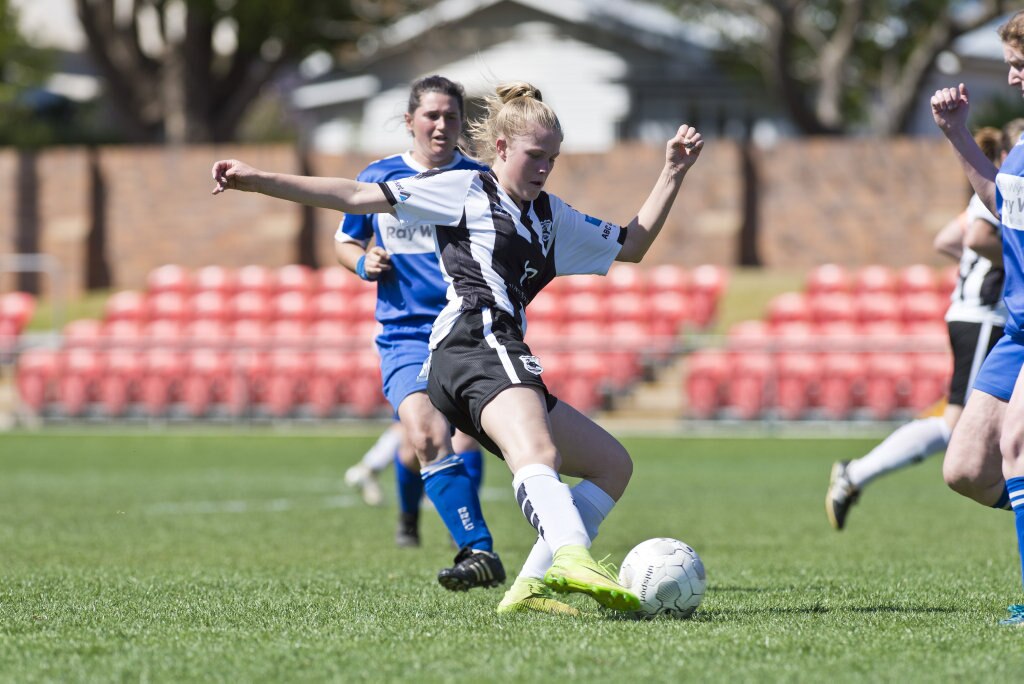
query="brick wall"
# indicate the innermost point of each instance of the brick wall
(848, 201)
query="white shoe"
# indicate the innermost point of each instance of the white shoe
(365, 480)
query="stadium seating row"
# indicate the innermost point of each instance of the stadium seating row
(16, 310)
(875, 278)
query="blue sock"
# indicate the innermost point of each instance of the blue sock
(1015, 485)
(474, 461)
(1004, 501)
(410, 488)
(451, 490)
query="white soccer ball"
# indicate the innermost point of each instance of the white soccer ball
(667, 575)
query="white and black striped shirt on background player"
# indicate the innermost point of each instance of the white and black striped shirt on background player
(978, 297)
(494, 254)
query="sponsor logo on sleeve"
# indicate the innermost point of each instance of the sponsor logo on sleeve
(403, 193)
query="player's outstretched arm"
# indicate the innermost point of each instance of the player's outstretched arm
(340, 194)
(950, 107)
(680, 154)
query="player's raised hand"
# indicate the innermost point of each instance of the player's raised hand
(377, 262)
(950, 107)
(684, 147)
(231, 174)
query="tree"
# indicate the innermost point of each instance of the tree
(839, 65)
(187, 70)
(23, 69)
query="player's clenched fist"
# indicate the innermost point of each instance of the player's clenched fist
(231, 174)
(950, 106)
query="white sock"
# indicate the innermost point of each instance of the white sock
(594, 506)
(910, 443)
(547, 504)
(383, 450)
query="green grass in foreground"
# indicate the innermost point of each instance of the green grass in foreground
(177, 558)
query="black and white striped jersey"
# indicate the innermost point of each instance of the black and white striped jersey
(492, 253)
(978, 297)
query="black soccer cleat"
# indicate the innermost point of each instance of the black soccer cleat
(841, 495)
(472, 568)
(408, 533)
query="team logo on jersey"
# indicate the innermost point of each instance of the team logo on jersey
(532, 364)
(528, 273)
(545, 232)
(403, 194)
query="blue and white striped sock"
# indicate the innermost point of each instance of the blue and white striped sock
(1015, 486)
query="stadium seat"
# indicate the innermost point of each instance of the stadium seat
(127, 305)
(582, 334)
(362, 306)
(363, 394)
(706, 373)
(627, 355)
(707, 283)
(887, 383)
(788, 307)
(629, 306)
(329, 306)
(249, 305)
(583, 284)
(162, 371)
(295, 278)
(922, 307)
(668, 312)
(827, 279)
(215, 279)
(293, 334)
(209, 334)
(254, 278)
(169, 278)
(626, 278)
(874, 279)
(584, 306)
(749, 335)
(18, 308)
(543, 335)
(337, 279)
(797, 377)
(546, 307)
(668, 278)
(582, 393)
(167, 306)
(206, 375)
(840, 387)
(77, 383)
(795, 336)
(291, 306)
(326, 382)
(209, 305)
(163, 333)
(750, 373)
(876, 306)
(286, 384)
(930, 376)
(330, 334)
(831, 307)
(121, 334)
(916, 279)
(36, 378)
(949, 278)
(247, 381)
(84, 332)
(119, 385)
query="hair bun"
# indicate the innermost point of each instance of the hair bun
(510, 91)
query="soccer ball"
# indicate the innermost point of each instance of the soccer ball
(667, 576)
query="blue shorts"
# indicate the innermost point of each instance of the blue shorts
(403, 351)
(999, 373)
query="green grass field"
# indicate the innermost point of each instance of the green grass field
(242, 558)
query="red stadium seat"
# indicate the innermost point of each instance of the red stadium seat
(887, 384)
(36, 377)
(295, 278)
(209, 305)
(840, 388)
(78, 383)
(579, 284)
(248, 333)
(748, 383)
(546, 307)
(668, 278)
(246, 386)
(337, 279)
(169, 278)
(629, 306)
(84, 332)
(795, 336)
(542, 335)
(749, 335)
(291, 306)
(119, 386)
(580, 334)
(707, 372)
(329, 306)
(584, 306)
(206, 376)
(249, 305)
(210, 334)
(17, 308)
(875, 307)
(253, 278)
(828, 279)
(923, 307)
(668, 312)
(797, 377)
(626, 278)
(333, 334)
(916, 279)
(874, 279)
(215, 279)
(930, 379)
(582, 393)
(330, 369)
(163, 333)
(123, 335)
(707, 283)
(127, 305)
(362, 306)
(788, 307)
(363, 394)
(162, 371)
(293, 334)
(831, 307)
(167, 306)
(949, 278)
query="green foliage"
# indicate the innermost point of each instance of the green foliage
(22, 69)
(169, 557)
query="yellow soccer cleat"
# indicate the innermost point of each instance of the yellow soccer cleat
(531, 594)
(575, 570)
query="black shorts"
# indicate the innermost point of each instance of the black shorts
(968, 340)
(483, 355)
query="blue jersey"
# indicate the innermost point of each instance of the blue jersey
(412, 293)
(1010, 205)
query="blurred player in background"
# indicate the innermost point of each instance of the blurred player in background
(410, 294)
(985, 458)
(975, 320)
(501, 239)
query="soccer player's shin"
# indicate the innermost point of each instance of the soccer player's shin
(451, 490)
(474, 461)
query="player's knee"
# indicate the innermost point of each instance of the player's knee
(958, 477)
(1011, 444)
